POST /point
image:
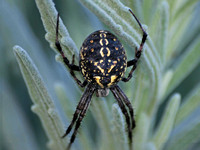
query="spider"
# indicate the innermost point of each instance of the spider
(102, 62)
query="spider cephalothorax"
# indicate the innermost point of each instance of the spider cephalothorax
(102, 62)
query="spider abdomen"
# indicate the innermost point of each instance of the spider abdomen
(102, 59)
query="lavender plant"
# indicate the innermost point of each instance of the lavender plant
(166, 105)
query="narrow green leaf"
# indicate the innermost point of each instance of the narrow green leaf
(186, 137)
(179, 6)
(167, 122)
(140, 94)
(119, 128)
(141, 132)
(191, 103)
(162, 37)
(137, 8)
(183, 6)
(66, 103)
(43, 104)
(138, 98)
(164, 25)
(165, 83)
(102, 116)
(176, 32)
(149, 8)
(185, 64)
(49, 17)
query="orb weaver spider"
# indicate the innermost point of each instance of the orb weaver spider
(102, 62)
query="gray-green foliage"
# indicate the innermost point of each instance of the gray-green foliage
(165, 75)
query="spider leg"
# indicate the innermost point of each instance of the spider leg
(79, 108)
(82, 115)
(137, 51)
(74, 76)
(124, 111)
(71, 66)
(128, 104)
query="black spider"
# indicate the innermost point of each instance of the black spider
(102, 63)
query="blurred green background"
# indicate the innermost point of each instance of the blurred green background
(20, 24)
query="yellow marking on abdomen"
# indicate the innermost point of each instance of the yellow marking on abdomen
(113, 78)
(101, 52)
(97, 78)
(106, 41)
(102, 70)
(111, 67)
(108, 50)
(83, 71)
(82, 57)
(114, 61)
(101, 42)
(95, 63)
